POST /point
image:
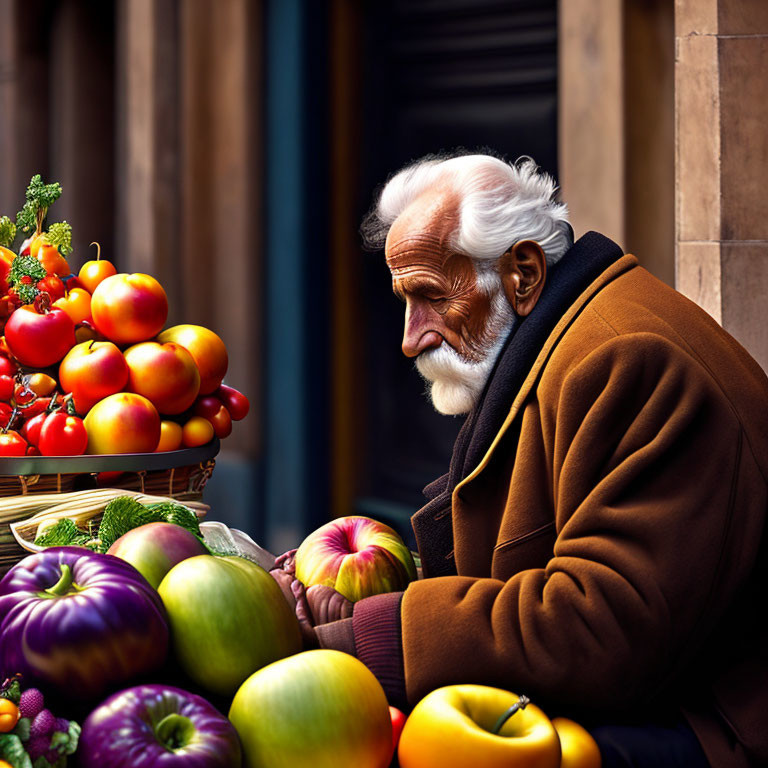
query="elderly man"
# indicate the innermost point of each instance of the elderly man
(597, 540)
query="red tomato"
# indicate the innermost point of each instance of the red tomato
(23, 395)
(7, 385)
(7, 368)
(31, 429)
(53, 286)
(221, 422)
(235, 402)
(39, 340)
(5, 415)
(63, 435)
(207, 406)
(398, 721)
(12, 444)
(36, 407)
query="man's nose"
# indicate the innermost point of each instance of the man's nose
(420, 333)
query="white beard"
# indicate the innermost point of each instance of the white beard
(455, 382)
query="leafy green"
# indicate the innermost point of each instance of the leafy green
(26, 267)
(121, 515)
(64, 533)
(60, 235)
(13, 752)
(66, 743)
(39, 198)
(178, 514)
(7, 232)
(22, 728)
(11, 690)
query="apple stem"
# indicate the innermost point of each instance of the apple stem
(98, 250)
(64, 584)
(521, 703)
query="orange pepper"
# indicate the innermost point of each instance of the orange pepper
(9, 715)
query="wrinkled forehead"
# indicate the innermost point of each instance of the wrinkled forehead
(422, 232)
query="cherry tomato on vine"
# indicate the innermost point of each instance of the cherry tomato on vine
(7, 385)
(36, 407)
(31, 429)
(5, 415)
(7, 367)
(12, 444)
(62, 435)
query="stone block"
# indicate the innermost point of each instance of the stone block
(699, 276)
(744, 287)
(697, 142)
(743, 137)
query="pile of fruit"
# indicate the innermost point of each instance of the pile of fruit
(152, 642)
(85, 365)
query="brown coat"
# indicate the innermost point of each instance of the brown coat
(606, 545)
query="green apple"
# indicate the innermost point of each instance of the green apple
(317, 709)
(228, 618)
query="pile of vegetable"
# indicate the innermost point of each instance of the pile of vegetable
(85, 365)
(31, 736)
(121, 515)
(175, 657)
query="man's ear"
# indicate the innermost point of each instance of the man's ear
(523, 271)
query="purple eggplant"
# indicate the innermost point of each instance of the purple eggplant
(158, 726)
(76, 623)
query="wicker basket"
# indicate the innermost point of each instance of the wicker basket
(179, 475)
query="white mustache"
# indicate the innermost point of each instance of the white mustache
(456, 383)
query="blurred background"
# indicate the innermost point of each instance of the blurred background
(231, 147)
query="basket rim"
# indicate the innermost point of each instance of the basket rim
(13, 466)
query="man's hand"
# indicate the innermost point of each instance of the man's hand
(313, 606)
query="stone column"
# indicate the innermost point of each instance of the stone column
(721, 162)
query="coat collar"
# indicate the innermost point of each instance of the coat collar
(606, 276)
(588, 265)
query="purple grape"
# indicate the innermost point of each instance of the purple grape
(38, 745)
(31, 703)
(43, 725)
(52, 755)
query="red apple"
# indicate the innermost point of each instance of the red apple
(123, 423)
(129, 308)
(357, 557)
(92, 371)
(206, 348)
(153, 549)
(165, 374)
(39, 339)
(322, 708)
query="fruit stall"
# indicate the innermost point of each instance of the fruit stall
(136, 630)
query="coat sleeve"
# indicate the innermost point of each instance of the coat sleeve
(647, 469)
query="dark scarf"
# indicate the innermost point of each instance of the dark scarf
(584, 262)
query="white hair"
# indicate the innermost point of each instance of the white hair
(500, 204)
